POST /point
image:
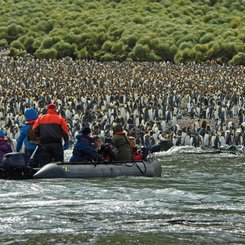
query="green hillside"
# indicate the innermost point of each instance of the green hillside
(139, 30)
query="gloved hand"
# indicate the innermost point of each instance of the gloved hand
(66, 145)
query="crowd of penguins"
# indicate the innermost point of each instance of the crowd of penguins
(193, 104)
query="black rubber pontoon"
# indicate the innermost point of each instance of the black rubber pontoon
(149, 168)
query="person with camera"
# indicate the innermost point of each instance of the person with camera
(137, 153)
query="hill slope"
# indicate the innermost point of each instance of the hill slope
(140, 30)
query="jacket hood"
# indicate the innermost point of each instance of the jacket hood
(82, 135)
(52, 106)
(31, 114)
(117, 128)
(86, 130)
(52, 111)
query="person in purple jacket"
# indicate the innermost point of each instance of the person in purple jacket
(5, 147)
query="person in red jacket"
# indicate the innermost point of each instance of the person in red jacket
(137, 153)
(52, 130)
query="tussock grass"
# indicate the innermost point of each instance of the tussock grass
(176, 30)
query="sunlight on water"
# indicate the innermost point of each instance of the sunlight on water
(199, 201)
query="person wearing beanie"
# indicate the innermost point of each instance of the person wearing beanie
(83, 150)
(26, 135)
(52, 130)
(5, 147)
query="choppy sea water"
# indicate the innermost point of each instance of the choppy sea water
(199, 199)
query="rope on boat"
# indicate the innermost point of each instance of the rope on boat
(137, 165)
(143, 172)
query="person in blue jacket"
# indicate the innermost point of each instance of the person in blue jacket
(84, 150)
(26, 134)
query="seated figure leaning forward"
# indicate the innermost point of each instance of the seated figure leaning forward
(84, 150)
(137, 153)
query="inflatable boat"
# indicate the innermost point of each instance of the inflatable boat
(14, 167)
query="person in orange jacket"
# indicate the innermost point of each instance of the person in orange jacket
(52, 130)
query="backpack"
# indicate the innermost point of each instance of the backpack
(31, 136)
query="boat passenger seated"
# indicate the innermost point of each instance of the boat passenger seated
(108, 153)
(105, 150)
(137, 153)
(84, 150)
(121, 143)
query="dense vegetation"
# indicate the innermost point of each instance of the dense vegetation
(140, 30)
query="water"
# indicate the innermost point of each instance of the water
(200, 199)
